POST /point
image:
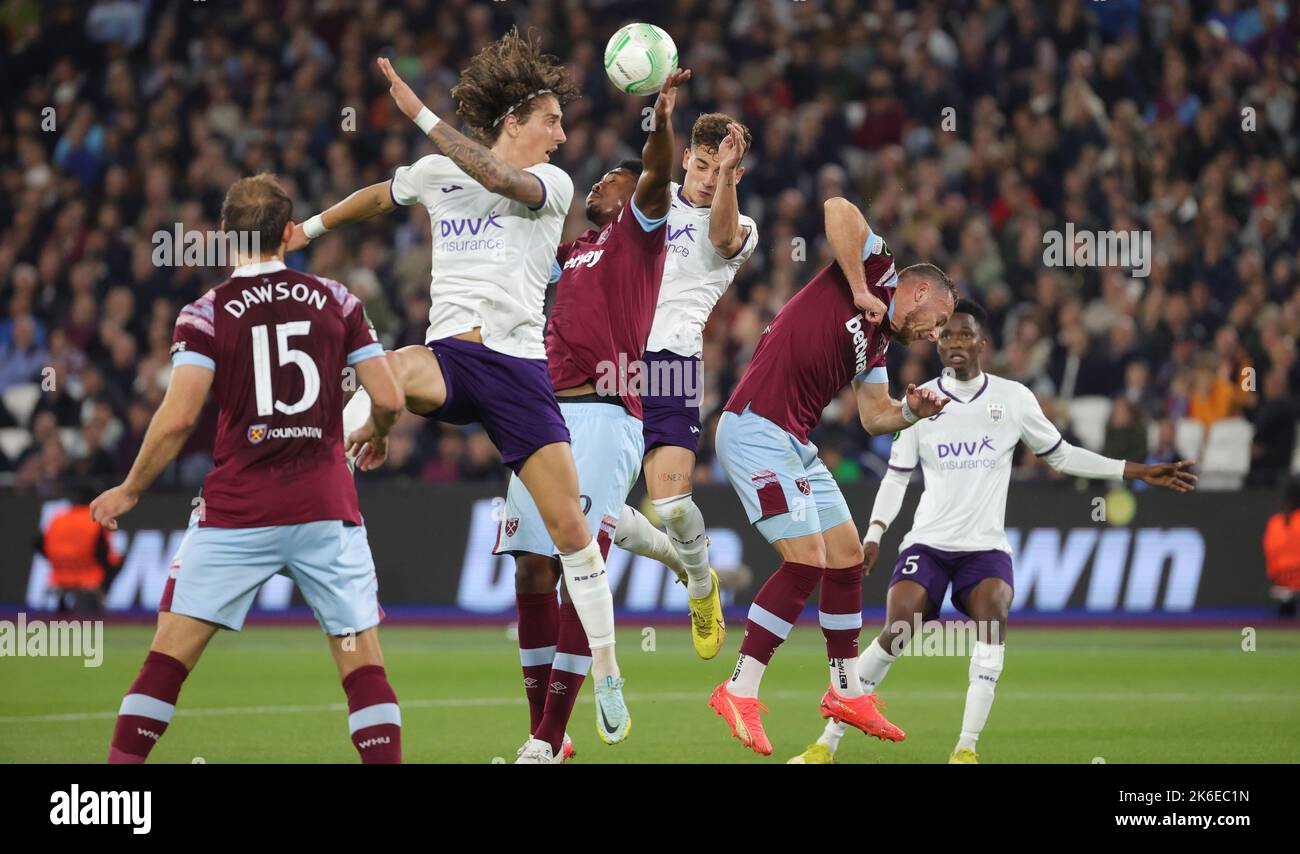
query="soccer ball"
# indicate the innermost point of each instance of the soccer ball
(639, 57)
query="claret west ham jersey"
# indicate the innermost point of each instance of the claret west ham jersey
(816, 344)
(278, 341)
(608, 284)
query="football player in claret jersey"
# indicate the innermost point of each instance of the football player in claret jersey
(836, 329)
(271, 345)
(608, 282)
(958, 536)
(708, 240)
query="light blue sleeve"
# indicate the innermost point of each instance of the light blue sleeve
(370, 351)
(872, 244)
(647, 224)
(556, 271)
(877, 374)
(184, 357)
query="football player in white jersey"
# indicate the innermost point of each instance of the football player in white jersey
(496, 208)
(958, 535)
(708, 240)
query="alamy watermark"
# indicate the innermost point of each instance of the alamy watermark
(182, 248)
(667, 378)
(1082, 248)
(64, 638)
(941, 638)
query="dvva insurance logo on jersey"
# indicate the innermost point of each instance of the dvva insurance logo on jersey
(470, 233)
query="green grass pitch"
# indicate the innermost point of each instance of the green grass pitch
(1066, 696)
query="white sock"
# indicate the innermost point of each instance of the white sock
(584, 576)
(872, 665)
(356, 413)
(635, 534)
(685, 524)
(832, 734)
(749, 672)
(844, 677)
(985, 668)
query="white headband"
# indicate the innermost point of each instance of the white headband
(501, 117)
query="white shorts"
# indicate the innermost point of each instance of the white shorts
(217, 572)
(607, 449)
(786, 489)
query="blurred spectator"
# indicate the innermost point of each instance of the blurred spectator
(1100, 116)
(1126, 432)
(1276, 421)
(1164, 450)
(21, 357)
(1282, 550)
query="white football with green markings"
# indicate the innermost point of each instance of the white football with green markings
(639, 57)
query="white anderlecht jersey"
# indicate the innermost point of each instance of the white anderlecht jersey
(965, 456)
(492, 256)
(695, 277)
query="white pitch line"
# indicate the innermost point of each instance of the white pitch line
(669, 697)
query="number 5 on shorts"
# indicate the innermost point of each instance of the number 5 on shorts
(909, 565)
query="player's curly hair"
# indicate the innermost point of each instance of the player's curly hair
(503, 79)
(710, 129)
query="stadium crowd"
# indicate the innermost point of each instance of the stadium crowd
(966, 130)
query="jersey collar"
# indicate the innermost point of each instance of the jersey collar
(258, 268)
(972, 398)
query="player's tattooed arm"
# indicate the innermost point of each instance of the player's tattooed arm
(725, 232)
(483, 166)
(651, 194)
(476, 159)
(881, 414)
(168, 430)
(847, 232)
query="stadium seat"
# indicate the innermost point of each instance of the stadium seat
(1227, 454)
(1088, 417)
(70, 439)
(21, 400)
(1189, 435)
(13, 441)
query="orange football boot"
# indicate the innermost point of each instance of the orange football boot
(741, 714)
(860, 713)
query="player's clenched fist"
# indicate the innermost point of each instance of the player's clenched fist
(368, 448)
(299, 239)
(110, 504)
(872, 307)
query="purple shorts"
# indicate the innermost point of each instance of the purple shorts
(511, 397)
(935, 569)
(671, 406)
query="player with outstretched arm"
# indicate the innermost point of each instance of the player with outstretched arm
(607, 285)
(496, 208)
(958, 536)
(271, 345)
(836, 329)
(708, 240)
